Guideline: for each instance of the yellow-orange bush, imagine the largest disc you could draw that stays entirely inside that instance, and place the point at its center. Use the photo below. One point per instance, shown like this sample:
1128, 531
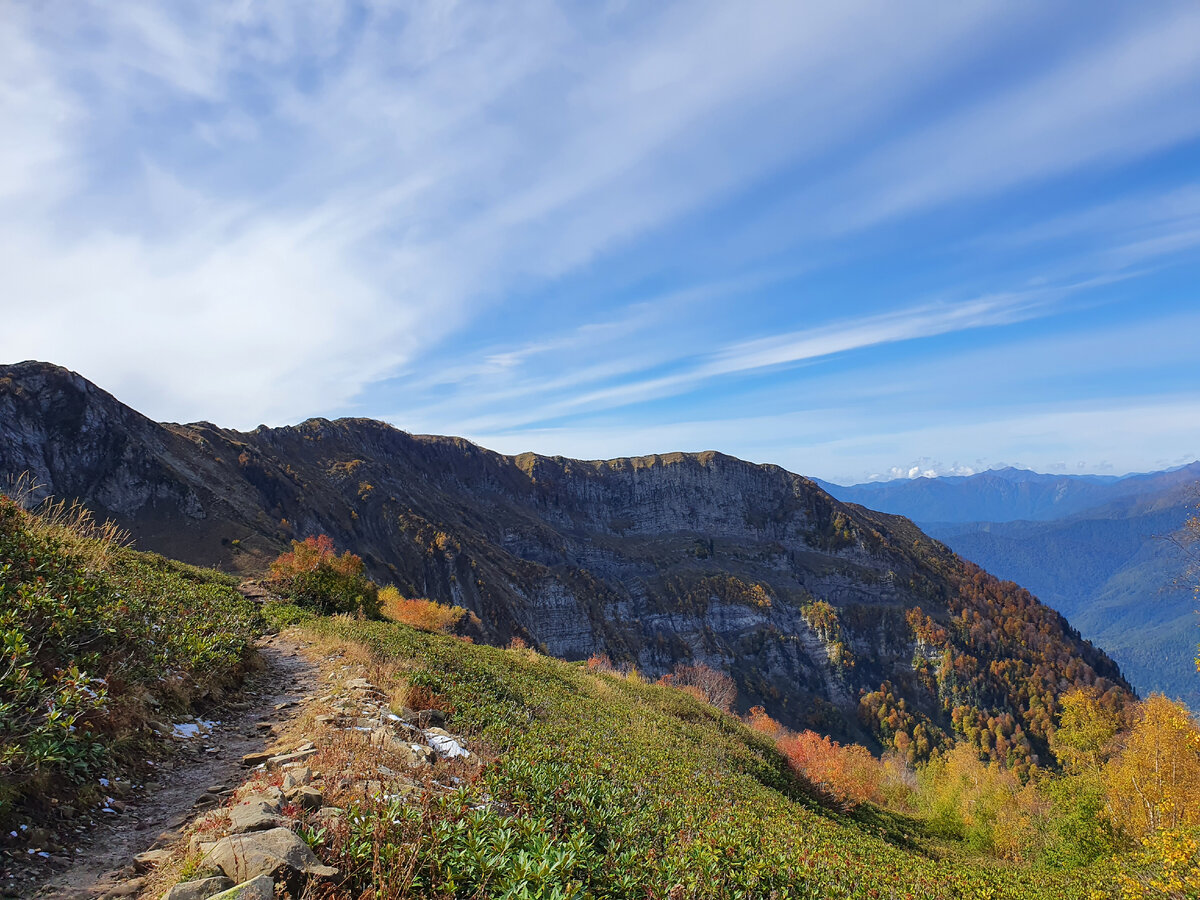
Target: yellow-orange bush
848, 773
425, 615
758, 719
1154, 781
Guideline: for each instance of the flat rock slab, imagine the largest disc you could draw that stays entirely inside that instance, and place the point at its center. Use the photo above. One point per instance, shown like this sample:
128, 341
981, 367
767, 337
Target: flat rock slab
278, 762
257, 815
276, 852
260, 888
199, 890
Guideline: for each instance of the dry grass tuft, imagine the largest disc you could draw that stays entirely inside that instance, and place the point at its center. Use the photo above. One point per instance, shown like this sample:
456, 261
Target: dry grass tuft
71, 524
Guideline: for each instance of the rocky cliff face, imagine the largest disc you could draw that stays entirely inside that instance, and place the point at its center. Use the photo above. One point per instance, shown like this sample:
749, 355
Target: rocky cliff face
831, 615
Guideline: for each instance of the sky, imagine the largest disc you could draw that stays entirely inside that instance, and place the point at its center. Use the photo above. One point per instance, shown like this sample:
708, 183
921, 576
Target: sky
859, 240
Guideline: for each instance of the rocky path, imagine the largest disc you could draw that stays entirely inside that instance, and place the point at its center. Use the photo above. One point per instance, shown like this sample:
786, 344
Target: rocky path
99, 863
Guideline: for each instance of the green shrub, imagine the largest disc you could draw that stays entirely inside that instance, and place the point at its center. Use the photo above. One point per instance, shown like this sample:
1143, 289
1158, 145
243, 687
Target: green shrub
314, 576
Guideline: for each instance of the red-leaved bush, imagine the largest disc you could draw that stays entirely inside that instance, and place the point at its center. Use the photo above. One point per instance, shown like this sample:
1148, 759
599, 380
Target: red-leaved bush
847, 773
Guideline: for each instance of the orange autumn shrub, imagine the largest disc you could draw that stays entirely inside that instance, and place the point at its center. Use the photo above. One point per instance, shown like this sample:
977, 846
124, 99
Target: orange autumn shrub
758, 719
600, 662
424, 615
848, 773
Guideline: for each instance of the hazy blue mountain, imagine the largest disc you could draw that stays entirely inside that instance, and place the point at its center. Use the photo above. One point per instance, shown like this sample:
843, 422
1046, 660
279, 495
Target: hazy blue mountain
1006, 495
1096, 549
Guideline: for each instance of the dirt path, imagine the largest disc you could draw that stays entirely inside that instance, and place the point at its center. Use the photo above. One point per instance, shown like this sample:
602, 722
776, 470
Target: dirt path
99, 862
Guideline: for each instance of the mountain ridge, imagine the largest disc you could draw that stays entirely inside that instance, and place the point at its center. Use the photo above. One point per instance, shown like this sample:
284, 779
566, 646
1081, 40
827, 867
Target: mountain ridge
831, 615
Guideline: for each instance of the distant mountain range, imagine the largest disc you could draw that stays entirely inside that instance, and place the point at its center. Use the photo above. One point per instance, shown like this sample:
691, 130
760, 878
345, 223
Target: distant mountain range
830, 615
1093, 547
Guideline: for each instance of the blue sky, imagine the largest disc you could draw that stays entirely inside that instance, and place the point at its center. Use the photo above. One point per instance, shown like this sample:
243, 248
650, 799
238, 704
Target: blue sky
857, 240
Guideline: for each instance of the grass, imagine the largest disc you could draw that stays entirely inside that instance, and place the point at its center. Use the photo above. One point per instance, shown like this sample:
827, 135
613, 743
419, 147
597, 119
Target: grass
95, 638
602, 786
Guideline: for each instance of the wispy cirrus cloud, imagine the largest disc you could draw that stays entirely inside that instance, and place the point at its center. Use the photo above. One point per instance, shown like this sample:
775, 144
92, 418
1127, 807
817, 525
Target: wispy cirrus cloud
497, 219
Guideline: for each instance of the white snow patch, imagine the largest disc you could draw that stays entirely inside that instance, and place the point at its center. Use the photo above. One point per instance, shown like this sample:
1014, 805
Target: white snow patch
446, 746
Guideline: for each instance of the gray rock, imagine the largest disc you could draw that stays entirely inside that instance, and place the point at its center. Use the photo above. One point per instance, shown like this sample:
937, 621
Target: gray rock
199, 890
308, 798
256, 815
278, 762
297, 777
260, 888
256, 759
278, 853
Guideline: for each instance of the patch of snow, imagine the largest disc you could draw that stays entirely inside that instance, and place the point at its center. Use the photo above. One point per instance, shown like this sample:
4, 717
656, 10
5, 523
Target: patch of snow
446, 746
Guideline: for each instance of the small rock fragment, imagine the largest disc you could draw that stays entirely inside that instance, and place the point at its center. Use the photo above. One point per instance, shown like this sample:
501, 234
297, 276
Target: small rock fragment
199, 890
151, 859
260, 888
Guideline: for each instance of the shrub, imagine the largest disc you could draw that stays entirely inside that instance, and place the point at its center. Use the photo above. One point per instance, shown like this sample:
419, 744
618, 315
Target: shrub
601, 662
705, 683
313, 575
849, 774
758, 719
425, 615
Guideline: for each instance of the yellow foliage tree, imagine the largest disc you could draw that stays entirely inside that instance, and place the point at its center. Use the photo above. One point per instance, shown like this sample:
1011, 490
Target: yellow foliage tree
1087, 730
1154, 781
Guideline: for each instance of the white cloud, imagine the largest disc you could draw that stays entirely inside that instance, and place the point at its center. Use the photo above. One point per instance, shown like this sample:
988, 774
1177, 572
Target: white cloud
210, 182
252, 212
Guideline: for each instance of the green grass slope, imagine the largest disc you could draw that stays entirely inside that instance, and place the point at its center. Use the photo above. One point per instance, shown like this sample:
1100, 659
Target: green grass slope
607, 787
94, 638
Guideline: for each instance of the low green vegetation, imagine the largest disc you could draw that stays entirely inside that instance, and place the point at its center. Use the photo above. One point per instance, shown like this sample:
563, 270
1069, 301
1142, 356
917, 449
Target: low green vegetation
93, 636
608, 787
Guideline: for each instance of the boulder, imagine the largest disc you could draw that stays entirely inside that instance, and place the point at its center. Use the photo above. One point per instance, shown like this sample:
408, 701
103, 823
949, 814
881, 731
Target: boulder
277, 853
199, 890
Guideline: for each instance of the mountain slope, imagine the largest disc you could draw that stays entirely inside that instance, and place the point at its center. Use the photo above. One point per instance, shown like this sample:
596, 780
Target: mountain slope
1107, 566
831, 615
